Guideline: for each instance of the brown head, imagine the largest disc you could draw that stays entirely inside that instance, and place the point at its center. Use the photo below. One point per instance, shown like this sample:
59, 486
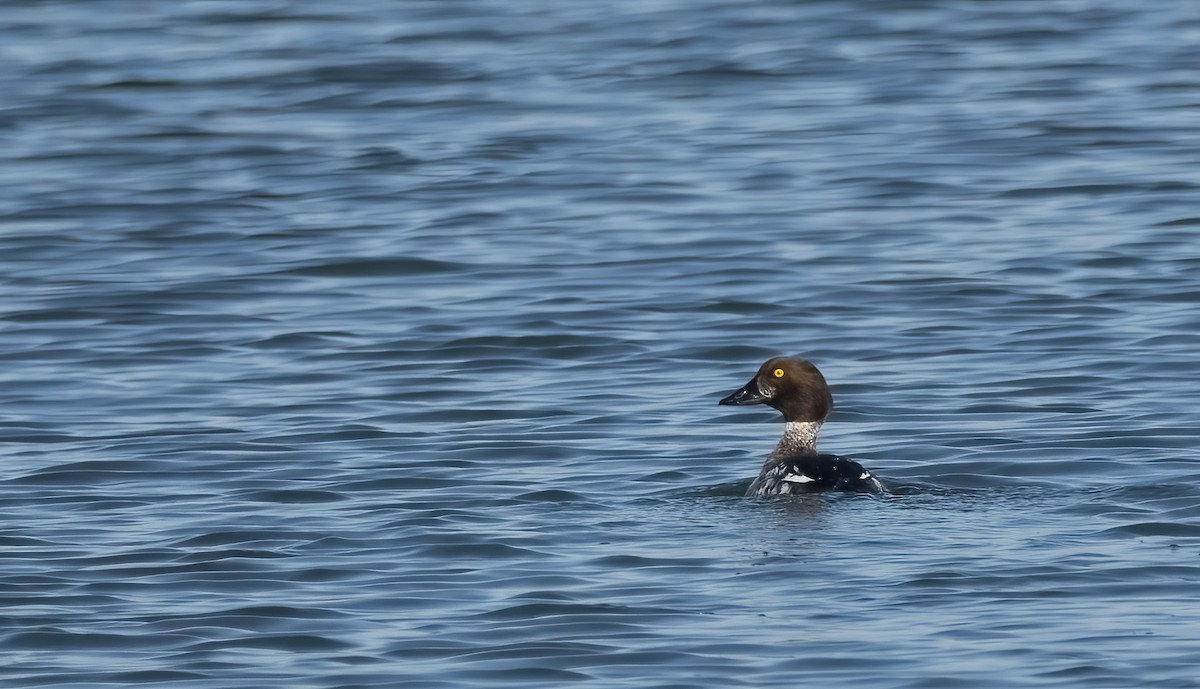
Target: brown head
793, 386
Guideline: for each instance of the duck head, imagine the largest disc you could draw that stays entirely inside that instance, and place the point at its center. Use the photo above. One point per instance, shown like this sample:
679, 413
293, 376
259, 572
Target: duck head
793, 386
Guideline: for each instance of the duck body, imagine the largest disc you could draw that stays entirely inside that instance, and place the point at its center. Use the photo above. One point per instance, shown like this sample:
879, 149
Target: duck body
797, 389
813, 474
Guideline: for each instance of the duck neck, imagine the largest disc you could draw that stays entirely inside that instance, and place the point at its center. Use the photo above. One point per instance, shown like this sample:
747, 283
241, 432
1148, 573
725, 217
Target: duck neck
799, 438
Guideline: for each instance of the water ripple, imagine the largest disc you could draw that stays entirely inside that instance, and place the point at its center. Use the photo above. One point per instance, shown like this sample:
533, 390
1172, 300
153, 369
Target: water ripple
379, 344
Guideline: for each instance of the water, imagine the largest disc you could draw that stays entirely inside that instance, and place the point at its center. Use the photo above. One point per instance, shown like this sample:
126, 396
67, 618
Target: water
379, 344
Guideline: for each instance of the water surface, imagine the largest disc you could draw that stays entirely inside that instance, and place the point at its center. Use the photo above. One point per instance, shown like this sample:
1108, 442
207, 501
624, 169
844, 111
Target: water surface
379, 344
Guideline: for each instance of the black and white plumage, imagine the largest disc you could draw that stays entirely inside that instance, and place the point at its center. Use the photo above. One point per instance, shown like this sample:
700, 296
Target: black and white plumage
813, 474
798, 390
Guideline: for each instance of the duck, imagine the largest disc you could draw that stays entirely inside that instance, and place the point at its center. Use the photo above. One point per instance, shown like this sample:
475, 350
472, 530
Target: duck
795, 388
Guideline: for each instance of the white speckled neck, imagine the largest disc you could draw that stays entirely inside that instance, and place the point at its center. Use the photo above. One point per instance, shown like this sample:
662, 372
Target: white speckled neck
799, 438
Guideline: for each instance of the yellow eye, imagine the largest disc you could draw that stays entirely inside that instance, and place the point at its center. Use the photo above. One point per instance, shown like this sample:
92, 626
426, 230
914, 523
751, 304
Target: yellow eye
779, 373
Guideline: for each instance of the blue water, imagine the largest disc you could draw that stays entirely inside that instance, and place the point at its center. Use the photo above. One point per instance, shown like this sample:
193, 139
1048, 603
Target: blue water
378, 344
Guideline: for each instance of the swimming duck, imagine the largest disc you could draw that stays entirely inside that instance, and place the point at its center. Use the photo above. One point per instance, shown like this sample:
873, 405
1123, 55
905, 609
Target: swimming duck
796, 388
